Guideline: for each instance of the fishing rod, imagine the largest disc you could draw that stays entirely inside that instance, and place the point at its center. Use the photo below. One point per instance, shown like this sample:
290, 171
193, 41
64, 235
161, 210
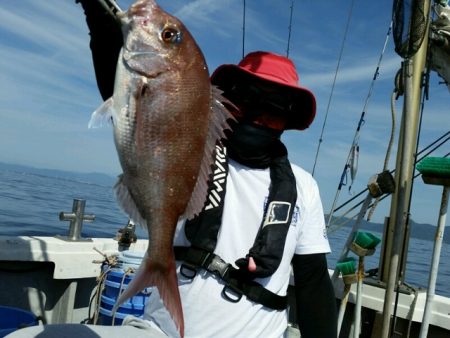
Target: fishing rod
340, 225
354, 149
445, 136
349, 219
436, 144
290, 29
332, 87
111, 6
243, 27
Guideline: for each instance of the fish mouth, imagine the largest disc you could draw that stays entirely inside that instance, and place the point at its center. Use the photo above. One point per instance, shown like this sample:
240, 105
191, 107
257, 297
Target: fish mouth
135, 61
130, 54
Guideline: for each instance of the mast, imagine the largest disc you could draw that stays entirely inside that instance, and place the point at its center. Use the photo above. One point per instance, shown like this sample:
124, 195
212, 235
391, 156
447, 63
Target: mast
412, 69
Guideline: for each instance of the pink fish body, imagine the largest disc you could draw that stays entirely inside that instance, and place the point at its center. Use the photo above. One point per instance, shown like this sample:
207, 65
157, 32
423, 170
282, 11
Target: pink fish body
166, 122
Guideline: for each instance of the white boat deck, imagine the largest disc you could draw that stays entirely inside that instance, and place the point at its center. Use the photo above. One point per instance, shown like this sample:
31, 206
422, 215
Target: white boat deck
77, 262
73, 260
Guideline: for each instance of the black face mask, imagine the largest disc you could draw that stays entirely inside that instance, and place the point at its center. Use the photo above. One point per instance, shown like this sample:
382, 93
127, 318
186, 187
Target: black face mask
254, 146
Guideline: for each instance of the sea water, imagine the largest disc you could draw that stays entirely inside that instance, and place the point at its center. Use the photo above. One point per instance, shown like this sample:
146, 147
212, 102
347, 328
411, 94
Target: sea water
30, 205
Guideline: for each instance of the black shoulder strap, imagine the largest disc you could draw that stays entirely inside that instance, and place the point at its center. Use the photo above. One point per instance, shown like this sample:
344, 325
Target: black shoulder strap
202, 230
268, 247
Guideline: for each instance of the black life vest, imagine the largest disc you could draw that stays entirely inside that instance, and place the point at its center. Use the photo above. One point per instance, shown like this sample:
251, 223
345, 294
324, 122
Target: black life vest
268, 247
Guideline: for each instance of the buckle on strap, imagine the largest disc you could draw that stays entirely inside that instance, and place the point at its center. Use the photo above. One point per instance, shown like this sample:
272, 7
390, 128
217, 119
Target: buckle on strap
217, 266
193, 258
188, 271
231, 293
235, 287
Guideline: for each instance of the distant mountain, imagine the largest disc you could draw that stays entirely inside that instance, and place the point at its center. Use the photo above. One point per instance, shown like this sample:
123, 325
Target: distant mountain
418, 230
427, 232
94, 178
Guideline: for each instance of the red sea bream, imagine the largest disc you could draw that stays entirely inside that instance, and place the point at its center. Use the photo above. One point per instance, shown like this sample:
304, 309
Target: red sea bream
166, 122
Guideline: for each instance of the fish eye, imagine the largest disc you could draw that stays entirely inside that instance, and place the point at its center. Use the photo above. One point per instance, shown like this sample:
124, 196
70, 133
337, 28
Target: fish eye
171, 35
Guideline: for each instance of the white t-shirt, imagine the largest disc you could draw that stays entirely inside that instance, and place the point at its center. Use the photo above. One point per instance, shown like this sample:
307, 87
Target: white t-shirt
206, 312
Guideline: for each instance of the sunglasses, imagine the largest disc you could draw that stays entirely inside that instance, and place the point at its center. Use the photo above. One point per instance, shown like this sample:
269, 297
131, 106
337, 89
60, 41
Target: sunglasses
259, 96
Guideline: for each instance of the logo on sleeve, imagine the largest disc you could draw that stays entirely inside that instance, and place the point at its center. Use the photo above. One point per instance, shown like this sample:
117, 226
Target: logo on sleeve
325, 233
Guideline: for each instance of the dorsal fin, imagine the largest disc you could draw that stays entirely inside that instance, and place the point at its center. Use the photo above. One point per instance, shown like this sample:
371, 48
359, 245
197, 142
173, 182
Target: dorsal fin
218, 123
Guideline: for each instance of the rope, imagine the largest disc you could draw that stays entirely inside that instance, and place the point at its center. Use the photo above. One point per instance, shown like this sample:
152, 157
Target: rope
127, 272
332, 87
109, 262
99, 291
388, 152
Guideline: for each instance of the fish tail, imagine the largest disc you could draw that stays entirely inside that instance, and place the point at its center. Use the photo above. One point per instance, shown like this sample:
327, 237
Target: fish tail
163, 277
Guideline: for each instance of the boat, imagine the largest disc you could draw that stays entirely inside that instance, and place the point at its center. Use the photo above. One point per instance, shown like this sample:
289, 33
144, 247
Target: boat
59, 278
388, 307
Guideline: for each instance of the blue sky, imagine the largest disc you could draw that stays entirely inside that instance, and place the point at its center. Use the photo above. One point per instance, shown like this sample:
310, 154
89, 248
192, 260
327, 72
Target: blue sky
48, 89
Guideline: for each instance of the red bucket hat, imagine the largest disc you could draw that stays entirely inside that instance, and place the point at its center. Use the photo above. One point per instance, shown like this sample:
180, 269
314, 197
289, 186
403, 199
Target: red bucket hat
277, 71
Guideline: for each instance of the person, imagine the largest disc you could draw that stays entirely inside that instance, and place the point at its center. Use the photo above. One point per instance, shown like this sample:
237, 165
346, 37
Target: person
262, 217
271, 215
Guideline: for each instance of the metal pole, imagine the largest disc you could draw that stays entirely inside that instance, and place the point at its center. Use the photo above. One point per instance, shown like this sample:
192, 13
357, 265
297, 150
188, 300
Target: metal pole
413, 77
343, 306
402, 187
357, 320
76, 218
435, 264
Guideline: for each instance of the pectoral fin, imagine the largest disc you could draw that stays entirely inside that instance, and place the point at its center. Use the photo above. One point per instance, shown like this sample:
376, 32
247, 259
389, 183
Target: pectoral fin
102, 115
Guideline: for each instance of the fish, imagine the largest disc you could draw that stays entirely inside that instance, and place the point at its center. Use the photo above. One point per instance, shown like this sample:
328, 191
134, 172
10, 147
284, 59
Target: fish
166, 119
353, 164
